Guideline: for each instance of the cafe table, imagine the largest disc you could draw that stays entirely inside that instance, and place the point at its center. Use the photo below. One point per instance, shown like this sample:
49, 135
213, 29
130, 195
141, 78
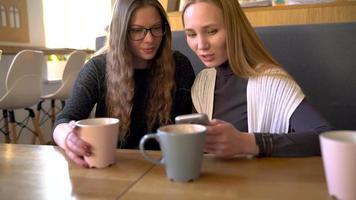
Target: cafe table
42, 172
242, 178
36, 172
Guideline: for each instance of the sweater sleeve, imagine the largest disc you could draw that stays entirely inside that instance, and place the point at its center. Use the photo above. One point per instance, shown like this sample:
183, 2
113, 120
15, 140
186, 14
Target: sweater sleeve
87, 91
303, 140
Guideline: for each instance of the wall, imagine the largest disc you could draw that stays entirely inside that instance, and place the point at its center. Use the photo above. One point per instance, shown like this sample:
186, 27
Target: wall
320, 13
36, 28
37, 38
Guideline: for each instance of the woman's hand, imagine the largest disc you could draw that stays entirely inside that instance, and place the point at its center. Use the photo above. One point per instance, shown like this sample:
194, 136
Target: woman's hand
66, 137
225, 141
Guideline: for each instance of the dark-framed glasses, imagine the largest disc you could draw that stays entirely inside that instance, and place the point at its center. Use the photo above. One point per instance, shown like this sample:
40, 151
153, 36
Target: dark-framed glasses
140, 33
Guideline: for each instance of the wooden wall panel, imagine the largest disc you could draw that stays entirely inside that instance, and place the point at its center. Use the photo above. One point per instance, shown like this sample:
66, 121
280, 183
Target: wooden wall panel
170, 5
339, 11
14, 34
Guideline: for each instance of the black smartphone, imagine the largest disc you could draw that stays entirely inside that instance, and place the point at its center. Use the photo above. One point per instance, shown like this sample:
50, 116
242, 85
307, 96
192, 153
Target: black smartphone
196, 118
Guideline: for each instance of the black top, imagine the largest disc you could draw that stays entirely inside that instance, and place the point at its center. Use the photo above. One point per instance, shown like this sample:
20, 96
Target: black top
90, 89
230, 104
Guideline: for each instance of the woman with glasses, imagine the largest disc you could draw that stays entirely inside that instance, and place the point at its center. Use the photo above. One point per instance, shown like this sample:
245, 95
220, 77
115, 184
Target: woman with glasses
137, 79
261, 109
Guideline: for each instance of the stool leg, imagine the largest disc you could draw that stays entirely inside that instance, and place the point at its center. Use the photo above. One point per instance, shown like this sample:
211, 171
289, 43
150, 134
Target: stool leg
53, 112
36, 126
39, 108
63, 104
6, 126
12, 123
38, 131
31, 114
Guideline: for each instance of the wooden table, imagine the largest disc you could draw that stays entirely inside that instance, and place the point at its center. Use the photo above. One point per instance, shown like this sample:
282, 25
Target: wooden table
242, 178
41, 172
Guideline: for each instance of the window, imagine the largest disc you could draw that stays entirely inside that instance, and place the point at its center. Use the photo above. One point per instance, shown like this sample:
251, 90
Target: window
3, 21
17, 18
75, 24
14, 17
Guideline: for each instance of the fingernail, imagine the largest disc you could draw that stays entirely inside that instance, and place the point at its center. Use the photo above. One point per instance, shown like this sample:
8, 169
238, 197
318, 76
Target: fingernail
71, 124
86, 148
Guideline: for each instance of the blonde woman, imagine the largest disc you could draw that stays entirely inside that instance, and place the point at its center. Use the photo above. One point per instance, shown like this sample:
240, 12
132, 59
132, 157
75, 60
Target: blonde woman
256, 107
137, 79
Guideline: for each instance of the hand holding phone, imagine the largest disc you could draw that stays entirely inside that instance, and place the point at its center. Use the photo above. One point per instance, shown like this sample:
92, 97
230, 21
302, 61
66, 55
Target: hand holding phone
196, 118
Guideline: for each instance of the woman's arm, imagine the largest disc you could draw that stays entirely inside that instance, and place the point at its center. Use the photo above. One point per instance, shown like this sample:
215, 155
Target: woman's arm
87, 91
303, 140
224, 140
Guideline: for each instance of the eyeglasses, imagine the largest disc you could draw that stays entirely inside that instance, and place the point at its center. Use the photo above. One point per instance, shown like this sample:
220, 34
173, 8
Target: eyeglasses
140, 33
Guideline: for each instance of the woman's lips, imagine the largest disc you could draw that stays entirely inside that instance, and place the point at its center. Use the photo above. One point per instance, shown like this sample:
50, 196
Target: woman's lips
148, 50
207, 57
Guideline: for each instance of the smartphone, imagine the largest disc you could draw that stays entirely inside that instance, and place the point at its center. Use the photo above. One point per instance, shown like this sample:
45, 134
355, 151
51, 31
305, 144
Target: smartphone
196, 118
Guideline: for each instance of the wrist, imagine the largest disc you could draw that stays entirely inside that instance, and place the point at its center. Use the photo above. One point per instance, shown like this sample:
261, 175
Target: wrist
251, 147
60, 135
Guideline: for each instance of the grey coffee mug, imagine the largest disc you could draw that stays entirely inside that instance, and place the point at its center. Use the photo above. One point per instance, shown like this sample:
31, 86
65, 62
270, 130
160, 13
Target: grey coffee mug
182, 149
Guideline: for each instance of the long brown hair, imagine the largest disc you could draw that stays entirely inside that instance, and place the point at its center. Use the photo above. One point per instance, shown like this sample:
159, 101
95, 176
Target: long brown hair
246, 53
120, 70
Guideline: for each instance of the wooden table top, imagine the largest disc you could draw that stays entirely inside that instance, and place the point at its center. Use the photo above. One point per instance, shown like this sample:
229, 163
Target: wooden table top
42, 172
240, 178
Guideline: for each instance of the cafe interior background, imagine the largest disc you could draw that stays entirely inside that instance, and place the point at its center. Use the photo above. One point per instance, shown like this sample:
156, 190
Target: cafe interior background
67, 25
37, 24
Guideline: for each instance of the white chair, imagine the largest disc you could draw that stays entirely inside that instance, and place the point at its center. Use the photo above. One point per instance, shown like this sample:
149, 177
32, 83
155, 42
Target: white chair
73, 65
23, 89
5, 119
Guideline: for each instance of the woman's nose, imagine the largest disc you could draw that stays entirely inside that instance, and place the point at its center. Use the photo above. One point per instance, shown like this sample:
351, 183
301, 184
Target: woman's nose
148, 37
202, 43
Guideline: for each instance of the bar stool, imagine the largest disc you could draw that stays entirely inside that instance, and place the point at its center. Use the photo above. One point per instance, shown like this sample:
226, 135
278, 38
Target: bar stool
72, 67
5, 128
23, 89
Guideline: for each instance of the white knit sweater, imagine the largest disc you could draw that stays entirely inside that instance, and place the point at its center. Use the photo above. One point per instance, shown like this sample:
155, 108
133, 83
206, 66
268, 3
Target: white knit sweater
271, 99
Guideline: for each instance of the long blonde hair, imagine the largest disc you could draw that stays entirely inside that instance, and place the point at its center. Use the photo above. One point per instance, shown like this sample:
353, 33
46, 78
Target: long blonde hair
245, 51
120, 70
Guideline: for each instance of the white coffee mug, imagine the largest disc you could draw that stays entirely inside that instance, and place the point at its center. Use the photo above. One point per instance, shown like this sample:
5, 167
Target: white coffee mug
182, 148
102, 134
338, 150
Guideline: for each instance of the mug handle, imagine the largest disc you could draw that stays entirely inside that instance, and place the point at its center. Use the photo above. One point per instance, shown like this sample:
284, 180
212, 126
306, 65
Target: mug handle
143, 151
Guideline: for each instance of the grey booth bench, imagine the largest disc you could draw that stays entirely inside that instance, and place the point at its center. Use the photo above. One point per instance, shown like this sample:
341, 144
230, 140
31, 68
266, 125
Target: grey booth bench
321, 58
